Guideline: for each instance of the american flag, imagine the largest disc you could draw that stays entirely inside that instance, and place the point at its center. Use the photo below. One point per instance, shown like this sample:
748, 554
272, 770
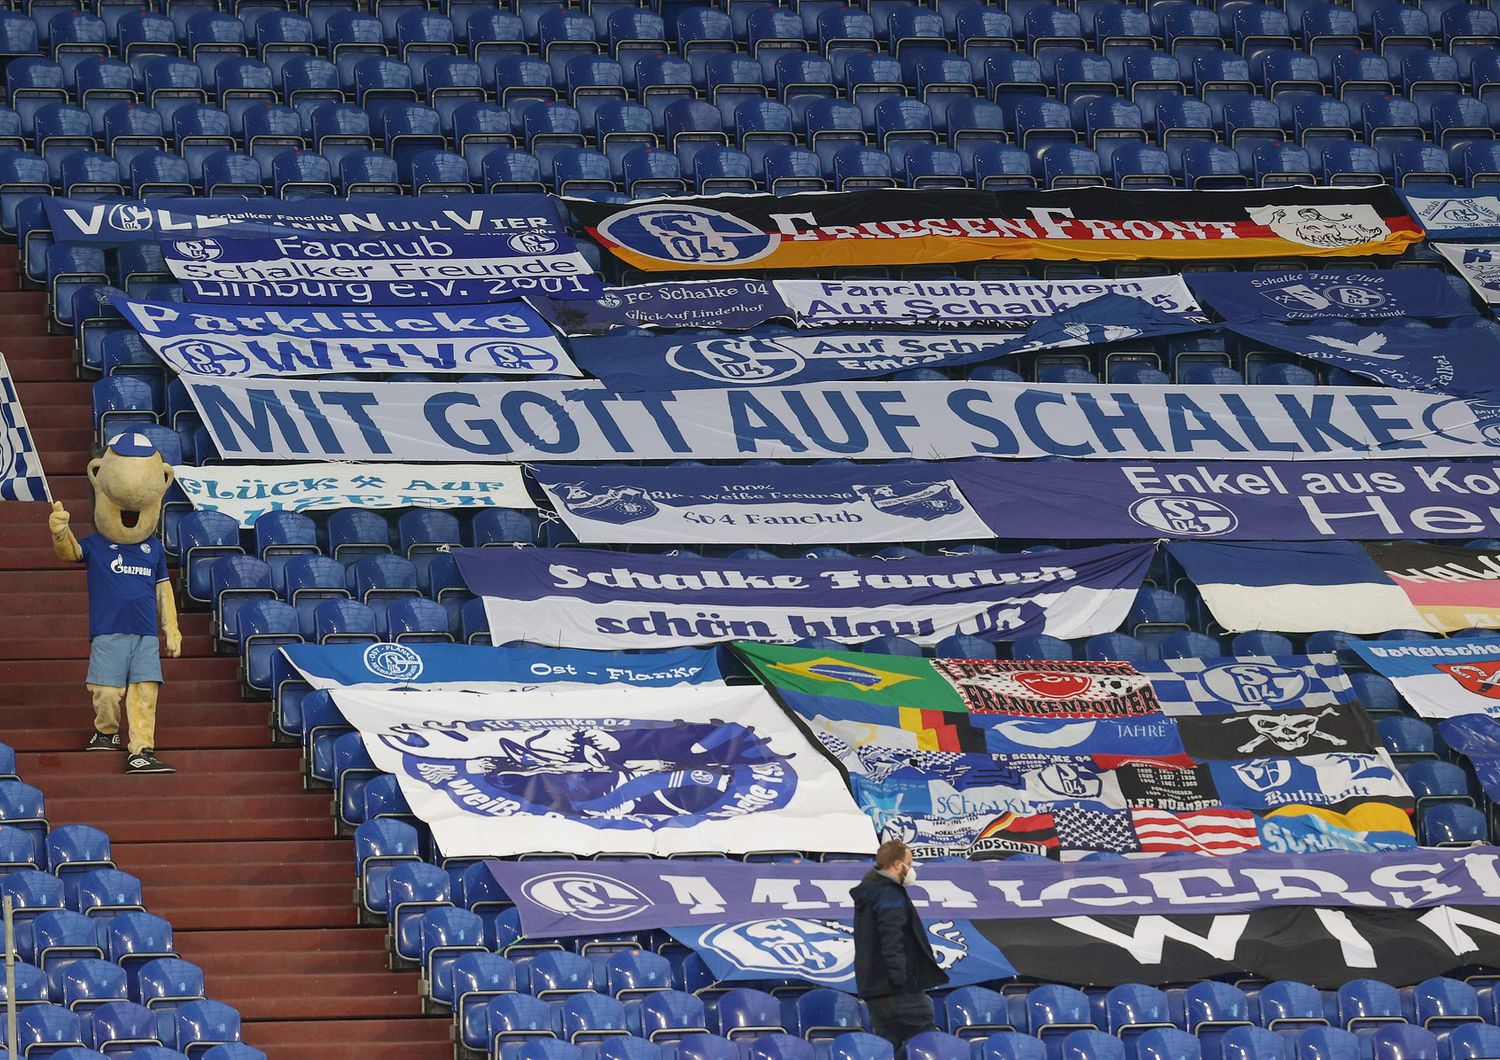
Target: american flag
1201, 831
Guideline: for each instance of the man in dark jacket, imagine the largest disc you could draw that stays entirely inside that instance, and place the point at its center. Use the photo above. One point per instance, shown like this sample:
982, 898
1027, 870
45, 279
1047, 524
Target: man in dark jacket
893, 961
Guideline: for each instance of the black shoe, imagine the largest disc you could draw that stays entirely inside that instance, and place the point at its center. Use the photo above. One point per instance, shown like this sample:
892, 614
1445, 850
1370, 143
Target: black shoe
147, 762
104, 742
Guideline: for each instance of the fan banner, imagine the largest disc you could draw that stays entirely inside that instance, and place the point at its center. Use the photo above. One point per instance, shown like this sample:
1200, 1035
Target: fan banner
582, 598
247, 493
729, 233
730, 304
481, 668
1477, 738
1453, 213
965, 303
791, 505
1446, 678
1333, 295
506, 339
21, 475
1452, 587
358, 419
606, 769
85, 221
1478, 264
562, 899
1284, 501
304, 270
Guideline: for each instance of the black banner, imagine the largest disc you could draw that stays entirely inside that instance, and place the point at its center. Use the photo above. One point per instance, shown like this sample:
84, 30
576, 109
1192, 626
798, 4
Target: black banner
900, 227
1344, 728
1450, 586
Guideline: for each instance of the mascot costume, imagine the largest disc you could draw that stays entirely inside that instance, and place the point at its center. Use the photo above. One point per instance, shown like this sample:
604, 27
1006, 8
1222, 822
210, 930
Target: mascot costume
128, 594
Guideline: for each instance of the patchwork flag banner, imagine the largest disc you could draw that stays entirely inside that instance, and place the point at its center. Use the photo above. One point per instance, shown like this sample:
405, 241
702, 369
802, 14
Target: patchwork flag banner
21, 475
1332, 295
1302, 501
1440, 678
478, 667
1454, 213
790, 505
506, 339
1295, 588
247, 493
583, 598
1451, 587
1478, 264
1460, 359
421, 269
607, 768
726, 233
965, 303
731, 304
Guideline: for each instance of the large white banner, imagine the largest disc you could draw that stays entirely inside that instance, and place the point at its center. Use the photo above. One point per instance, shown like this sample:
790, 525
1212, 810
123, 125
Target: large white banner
608, 769
280, 419
1478, 264
967, 303
247, 493
507, 339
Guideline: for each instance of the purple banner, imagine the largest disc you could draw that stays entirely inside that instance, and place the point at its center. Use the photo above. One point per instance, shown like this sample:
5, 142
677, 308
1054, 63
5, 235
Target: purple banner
563, 898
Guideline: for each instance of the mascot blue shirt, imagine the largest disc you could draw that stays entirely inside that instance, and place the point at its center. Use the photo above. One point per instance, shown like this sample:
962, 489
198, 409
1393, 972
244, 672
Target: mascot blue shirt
122, 585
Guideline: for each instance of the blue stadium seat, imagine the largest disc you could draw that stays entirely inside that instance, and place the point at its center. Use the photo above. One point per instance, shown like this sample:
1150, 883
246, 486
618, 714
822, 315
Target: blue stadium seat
1473, 1041
90, 982
47, 1029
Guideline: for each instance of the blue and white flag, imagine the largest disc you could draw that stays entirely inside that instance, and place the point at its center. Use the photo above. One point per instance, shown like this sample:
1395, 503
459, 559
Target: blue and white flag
480, 668
630, 364
581, 598
1243, 684
1317, 295
413, 270
1108, 318
21, 475
1295, 588
375, 216
506, 339
1455, 213
1462, 360
607, 768
729, 304
1447, 678
821, 952
1478, 264
1477, 738
791, 505
1337, 781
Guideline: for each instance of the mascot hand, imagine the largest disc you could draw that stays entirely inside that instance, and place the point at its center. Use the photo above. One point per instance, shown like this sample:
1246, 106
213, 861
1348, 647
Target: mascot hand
174, 643
57, 522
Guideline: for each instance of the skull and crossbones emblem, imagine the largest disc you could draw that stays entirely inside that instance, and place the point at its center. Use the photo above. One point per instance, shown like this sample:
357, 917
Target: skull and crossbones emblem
1289, 732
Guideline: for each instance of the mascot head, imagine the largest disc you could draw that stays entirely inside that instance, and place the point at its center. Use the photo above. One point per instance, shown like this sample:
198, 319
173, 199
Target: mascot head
130, 480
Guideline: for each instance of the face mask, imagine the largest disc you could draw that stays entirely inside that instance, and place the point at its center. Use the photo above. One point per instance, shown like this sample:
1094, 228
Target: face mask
911, 875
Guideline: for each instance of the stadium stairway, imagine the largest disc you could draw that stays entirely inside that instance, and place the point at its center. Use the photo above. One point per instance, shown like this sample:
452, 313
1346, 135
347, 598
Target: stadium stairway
231, 850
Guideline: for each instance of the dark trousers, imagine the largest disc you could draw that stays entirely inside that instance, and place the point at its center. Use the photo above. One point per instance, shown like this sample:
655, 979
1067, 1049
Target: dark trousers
901, 1016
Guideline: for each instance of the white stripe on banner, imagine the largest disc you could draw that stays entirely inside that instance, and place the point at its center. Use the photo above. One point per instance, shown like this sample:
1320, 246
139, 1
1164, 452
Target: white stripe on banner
279, 419
1478, 264
616, 769
21, 476
249, 492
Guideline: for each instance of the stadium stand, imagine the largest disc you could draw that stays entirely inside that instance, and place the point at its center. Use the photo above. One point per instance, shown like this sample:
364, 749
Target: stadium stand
251, 933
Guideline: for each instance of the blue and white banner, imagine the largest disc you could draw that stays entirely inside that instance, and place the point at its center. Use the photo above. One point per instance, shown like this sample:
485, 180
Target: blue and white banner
821, 952
580, 598
247, 493
507, 339
1296, 588
285, 419
1455, 213
86, 221
729, 304
607, 769
1317, 295
1462, 360
794, 505
1477, 738
1445, 678
21, 475
420, 269
1310, 501
481, 668
1335, 781
1244, 684
965, 303
1478, 264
